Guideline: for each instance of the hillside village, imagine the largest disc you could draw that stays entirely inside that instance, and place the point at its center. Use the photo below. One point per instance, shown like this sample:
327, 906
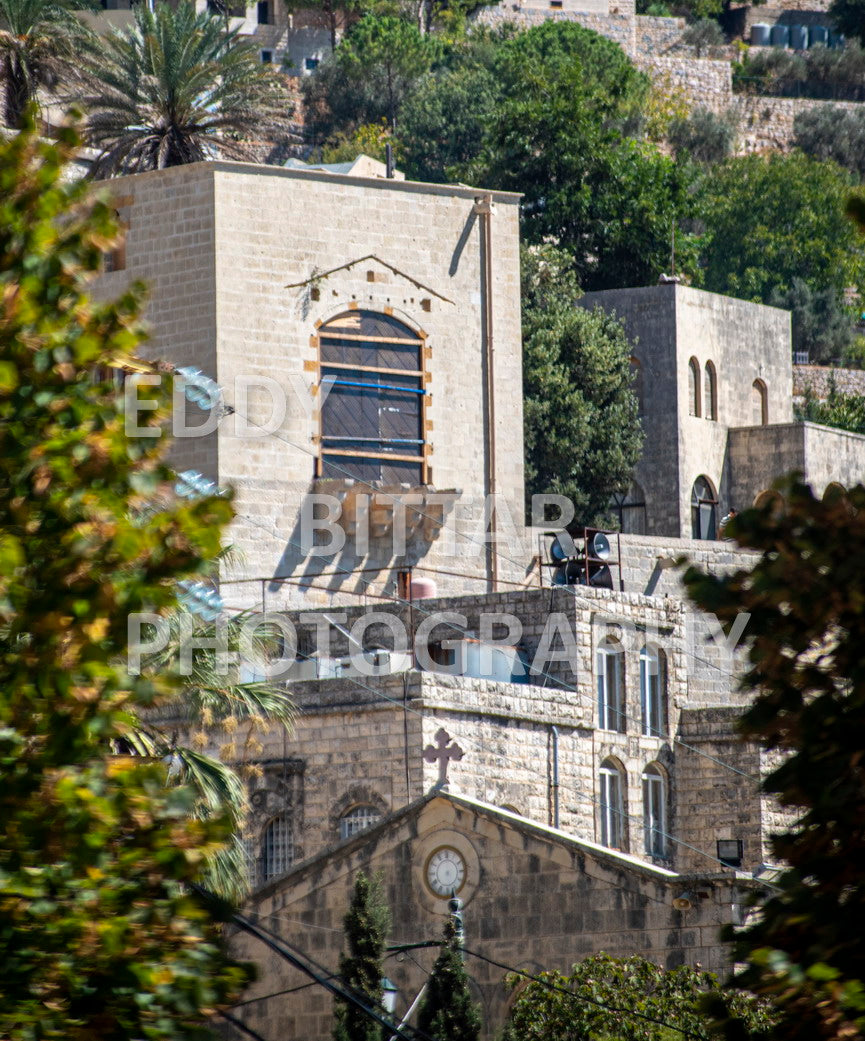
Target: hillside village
488, 322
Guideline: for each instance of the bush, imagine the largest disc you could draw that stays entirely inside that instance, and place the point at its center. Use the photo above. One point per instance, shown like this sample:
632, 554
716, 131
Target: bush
821, 324
831, 132
702, 35
703, 135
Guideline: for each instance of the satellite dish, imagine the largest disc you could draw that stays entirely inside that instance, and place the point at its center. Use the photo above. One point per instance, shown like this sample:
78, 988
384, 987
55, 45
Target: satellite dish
563, 547
601, 549
601, 578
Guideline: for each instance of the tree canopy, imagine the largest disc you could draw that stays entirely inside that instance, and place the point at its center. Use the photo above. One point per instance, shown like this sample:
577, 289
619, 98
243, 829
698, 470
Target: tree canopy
367, 922
582, 432
447, 1010
177, 87
772, 219
560, 135
40, 46
806, 677
595, 999
100, 935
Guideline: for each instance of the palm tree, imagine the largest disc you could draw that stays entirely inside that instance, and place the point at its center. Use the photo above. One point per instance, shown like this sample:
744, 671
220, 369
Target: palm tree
177, 87
40, 46
216, 710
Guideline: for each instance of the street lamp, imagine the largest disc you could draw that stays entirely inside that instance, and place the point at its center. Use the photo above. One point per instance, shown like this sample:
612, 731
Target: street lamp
389, 993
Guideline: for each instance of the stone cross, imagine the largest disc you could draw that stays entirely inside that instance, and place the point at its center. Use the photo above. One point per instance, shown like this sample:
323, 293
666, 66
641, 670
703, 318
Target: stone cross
443, 752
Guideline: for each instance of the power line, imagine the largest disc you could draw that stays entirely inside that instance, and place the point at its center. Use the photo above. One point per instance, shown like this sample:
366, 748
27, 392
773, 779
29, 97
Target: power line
285, 950
562, 684
583, 997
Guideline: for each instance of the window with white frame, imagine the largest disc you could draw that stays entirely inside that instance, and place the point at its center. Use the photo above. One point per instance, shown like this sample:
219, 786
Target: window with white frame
653, 691
612, 805
277, 848
654, 811
359, 818
611, 686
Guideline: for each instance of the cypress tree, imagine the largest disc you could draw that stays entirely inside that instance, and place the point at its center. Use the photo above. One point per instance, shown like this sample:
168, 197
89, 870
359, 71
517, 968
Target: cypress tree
366, 926
448, 1012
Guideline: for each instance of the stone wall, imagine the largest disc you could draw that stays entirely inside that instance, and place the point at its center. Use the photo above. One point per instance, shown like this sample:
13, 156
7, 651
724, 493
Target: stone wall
819, 379
766, 123
704, 82
359, 739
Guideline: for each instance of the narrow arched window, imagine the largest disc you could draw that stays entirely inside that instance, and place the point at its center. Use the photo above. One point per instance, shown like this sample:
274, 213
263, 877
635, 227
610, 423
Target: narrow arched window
694, 387
372, 399
611, 804
359, 818
277, 852
704, 510
760, 400
611, 686
655, 811
710, 391
637, 385
653, 691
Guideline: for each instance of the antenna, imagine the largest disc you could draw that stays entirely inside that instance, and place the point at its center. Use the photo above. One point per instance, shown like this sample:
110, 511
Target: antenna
673, 247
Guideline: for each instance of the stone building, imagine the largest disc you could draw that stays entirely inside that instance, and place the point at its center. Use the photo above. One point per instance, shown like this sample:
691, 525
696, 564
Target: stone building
600, 767
534, 897
714, 378
365, 334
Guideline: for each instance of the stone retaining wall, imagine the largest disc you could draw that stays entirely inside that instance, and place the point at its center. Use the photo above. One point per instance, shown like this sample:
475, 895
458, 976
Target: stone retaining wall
819, 378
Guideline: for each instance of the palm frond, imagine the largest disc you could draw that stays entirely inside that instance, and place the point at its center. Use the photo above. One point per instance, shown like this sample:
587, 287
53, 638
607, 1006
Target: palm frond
176, 87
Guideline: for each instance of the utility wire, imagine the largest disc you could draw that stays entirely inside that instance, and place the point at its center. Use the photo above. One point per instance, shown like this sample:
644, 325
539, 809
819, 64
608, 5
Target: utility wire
582, 997
562, 684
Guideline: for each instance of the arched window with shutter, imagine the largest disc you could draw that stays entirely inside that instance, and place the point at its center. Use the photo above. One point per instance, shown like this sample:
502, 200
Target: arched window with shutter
694, 387
710, 391
373, 388
760, 398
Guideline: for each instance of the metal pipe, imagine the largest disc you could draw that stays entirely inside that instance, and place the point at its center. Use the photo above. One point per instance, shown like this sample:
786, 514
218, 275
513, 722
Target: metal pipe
484, 208
410, 1012
555, 784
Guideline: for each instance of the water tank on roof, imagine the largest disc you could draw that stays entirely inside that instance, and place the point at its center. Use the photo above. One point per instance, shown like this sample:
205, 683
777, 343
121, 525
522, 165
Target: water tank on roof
423, 588
819, 34
780, 35
760, 35
799, 37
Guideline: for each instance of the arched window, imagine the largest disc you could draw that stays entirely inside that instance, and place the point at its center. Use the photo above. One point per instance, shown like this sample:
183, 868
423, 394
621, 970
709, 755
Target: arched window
760, 402
631, 510
694, 387
653, 691
611, 804
655, 811
611, 686
704, 510
372, 408
359, 818
277, 848
637, 384
710, 392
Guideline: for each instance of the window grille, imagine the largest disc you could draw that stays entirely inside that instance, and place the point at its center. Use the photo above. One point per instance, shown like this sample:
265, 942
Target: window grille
277, 848
358, 819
